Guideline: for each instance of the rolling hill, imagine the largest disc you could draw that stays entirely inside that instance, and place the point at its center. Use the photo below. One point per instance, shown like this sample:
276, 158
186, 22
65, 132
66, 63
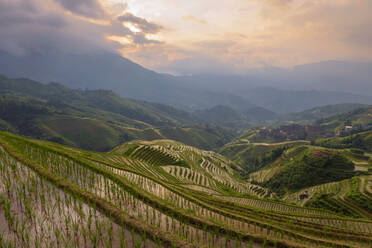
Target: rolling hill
96, 119
287, 101
324, 112
360, 119
223, 116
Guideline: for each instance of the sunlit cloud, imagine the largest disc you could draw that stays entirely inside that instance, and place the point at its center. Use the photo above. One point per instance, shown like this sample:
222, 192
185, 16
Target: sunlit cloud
138, 23
185, 36
132, 28
120, 39
254, 33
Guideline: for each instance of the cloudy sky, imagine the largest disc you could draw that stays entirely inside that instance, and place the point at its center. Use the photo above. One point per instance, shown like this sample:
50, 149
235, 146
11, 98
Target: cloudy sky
193, 36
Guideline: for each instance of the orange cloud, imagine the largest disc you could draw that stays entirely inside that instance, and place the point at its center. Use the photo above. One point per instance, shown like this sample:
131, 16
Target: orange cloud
181, 36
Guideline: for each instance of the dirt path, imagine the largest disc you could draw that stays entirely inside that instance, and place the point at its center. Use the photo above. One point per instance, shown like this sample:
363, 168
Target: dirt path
360, 168
362, 183
361, 162
247, 142
281, 143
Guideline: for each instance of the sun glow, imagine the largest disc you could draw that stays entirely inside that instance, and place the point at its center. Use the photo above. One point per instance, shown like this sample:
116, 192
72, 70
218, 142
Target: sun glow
132, 28
156, 37
252, 33
120, 39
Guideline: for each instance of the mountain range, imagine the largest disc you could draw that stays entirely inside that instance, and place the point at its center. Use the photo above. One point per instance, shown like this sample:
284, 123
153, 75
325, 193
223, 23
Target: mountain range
276, 90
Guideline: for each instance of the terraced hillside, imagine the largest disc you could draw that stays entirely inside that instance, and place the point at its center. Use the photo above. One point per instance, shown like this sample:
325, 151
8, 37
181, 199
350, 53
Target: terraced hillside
254, 156
151, 194
320, 178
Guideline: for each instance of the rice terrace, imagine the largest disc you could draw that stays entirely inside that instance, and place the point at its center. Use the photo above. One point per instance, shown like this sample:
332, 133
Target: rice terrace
185, 124
161, 194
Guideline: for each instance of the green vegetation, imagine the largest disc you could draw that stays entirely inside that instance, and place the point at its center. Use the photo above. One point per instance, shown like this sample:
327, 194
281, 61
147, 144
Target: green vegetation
157, 187
361, 141
360, 119
159, 193
332, 178
328, 201
255, 156
311, 167
96, 120
319, 113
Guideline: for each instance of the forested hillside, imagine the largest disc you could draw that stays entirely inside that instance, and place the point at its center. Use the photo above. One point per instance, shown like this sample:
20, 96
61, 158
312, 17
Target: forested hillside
96, 120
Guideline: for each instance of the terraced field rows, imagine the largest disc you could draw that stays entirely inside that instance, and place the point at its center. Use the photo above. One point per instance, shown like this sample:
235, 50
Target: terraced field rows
190, 176
201, 189
350, 197
37, 214
366, 186
222, 176
137, 165
348, 224
186, 164
183, 217
336, 188
207, 166
154, 155
108, 189
262, 175
183, 203
275, 206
